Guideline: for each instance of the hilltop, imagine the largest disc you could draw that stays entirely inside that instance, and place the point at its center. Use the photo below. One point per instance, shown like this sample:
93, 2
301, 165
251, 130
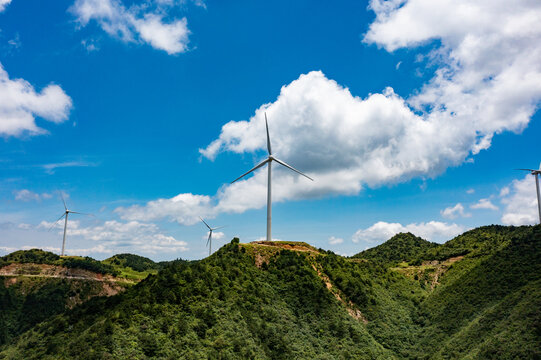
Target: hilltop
284, 300
401, 247
36, 285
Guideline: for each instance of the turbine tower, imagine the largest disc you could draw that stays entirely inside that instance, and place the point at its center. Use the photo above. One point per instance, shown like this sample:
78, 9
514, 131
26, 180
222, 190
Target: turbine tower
209, 241
269, 161
65, 216
536, 173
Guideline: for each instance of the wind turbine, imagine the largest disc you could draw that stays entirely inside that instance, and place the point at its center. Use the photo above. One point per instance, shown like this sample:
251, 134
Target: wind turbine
65, 216
536, 173
269, 161
209, 241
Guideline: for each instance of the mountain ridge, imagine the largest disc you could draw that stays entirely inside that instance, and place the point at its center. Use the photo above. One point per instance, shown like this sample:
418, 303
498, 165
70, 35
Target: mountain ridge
301, 304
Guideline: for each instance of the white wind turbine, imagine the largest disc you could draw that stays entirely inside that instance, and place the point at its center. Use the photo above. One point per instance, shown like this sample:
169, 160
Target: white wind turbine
65, 216
536, 173
209, 241
269, 161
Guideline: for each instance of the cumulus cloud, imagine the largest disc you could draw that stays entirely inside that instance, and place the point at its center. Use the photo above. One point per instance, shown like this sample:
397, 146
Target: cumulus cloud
489, 73
484, 204
521, 203
183, 208
115, 236
454, 211
432, 231
27, 195
4, 4
335, 241
487, 81
20, 104
137, 23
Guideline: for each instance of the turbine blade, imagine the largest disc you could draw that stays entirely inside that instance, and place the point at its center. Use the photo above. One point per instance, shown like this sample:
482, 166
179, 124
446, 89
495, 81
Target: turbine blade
526, 169
255, 168
56, 222
268, 136
210, 235
291, 168
64, 201
204, 222
219, 227
80, 213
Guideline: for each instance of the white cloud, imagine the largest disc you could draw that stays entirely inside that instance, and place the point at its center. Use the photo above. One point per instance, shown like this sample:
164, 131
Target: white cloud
20, 104
488, 80
470, 191
484, 204
432, 231
504, 191
521, 203
335, 241
114, 236
142, 23
489, 73
183, 208
27, 195
4, 4
216, 235
50, 168
454, 212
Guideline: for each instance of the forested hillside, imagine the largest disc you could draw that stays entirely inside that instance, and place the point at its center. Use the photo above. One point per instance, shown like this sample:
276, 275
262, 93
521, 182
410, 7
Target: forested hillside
292, 301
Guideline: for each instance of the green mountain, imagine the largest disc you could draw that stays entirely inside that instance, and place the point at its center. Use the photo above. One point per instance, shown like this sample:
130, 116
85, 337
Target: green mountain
36, 285
401, 247
291, 301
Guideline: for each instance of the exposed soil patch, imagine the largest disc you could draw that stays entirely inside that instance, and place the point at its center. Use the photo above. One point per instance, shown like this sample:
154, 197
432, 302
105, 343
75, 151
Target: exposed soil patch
350, 307
429, 271
288, 246
54, 271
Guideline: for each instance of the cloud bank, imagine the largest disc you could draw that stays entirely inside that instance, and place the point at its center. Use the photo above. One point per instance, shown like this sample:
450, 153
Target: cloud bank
115, 237
432, 231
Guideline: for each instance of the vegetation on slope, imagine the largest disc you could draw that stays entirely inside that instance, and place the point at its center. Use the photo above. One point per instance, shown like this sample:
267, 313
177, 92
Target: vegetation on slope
132, 267
221, 307
263, 301
401, 247
38, 256
27, 301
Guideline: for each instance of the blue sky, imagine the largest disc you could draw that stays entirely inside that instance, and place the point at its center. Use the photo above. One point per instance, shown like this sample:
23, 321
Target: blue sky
410, 116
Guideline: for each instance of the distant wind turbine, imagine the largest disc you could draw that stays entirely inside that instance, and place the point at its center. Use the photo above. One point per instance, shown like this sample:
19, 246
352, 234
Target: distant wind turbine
536, 173
209, 241
269, 161
65, 216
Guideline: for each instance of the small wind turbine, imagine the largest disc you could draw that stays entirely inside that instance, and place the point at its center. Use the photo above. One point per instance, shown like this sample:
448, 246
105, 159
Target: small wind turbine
209, 241
65, 216
536, 173
269, 161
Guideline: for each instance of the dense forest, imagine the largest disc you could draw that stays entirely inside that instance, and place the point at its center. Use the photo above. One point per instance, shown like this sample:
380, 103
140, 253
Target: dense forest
476, 296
